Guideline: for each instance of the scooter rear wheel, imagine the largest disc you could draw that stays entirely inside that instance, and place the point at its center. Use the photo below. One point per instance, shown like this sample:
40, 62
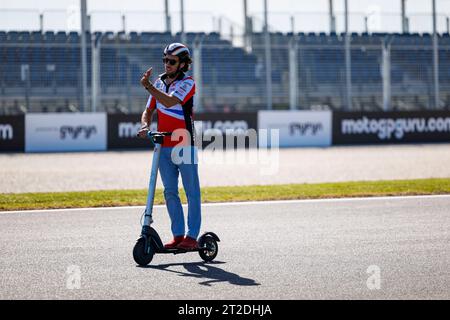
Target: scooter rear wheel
211, 246
141, 257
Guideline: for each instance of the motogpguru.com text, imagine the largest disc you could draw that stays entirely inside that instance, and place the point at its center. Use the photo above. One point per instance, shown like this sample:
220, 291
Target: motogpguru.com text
386, 128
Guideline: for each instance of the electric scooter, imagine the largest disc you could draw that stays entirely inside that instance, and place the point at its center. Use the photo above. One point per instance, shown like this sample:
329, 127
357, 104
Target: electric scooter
149, 242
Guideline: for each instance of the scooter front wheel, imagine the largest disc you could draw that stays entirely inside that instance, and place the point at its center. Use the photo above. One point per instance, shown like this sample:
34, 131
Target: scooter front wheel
211, 248
140, 255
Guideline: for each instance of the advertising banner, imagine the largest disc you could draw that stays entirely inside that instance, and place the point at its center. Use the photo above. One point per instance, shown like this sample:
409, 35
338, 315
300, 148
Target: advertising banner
55, 132
298, 128
12, 133
391, 127
122, 130
234, 129
209, 127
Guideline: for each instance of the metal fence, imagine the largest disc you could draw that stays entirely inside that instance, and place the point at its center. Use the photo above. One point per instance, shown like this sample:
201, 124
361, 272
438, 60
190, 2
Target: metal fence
41, 72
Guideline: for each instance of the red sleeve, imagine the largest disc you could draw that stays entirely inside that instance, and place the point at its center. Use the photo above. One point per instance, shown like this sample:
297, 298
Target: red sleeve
189, 95
151, 103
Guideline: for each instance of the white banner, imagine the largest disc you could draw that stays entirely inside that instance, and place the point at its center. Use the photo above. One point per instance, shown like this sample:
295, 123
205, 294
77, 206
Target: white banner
299, 128
46, 132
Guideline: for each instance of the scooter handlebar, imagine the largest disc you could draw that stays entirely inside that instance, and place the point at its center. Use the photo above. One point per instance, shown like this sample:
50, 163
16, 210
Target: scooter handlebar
164, 133
151, 134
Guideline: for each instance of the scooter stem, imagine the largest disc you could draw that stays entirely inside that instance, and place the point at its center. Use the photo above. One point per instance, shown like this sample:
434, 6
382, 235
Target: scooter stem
152, 186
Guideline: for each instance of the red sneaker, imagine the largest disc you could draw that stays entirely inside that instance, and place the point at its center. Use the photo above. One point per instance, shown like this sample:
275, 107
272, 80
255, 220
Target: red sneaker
175, 241
188, 244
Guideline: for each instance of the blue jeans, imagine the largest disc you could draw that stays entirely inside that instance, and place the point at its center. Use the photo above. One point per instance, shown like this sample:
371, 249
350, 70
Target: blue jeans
170, 168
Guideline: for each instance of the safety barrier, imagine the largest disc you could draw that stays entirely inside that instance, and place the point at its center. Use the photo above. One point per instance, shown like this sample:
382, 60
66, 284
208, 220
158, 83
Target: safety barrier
62, 132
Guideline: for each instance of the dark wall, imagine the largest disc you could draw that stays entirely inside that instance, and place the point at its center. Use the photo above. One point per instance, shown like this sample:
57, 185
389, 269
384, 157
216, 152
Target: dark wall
12, 133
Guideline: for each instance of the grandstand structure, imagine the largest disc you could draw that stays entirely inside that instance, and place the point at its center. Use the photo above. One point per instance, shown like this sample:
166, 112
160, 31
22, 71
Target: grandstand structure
41, 71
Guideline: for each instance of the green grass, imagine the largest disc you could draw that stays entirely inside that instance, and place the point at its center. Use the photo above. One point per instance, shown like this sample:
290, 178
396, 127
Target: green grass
108, 198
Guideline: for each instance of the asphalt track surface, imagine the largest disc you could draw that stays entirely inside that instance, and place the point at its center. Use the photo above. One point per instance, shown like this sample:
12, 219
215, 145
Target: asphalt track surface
83, 171
374, 248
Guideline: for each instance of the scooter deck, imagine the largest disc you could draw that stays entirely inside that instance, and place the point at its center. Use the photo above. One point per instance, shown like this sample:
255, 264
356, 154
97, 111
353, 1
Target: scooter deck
177, 251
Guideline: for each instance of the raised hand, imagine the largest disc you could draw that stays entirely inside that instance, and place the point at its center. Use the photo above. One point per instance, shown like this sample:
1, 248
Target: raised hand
146, 76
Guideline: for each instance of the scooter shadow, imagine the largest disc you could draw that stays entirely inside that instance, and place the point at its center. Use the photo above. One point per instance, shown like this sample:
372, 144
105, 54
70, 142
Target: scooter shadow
203, 270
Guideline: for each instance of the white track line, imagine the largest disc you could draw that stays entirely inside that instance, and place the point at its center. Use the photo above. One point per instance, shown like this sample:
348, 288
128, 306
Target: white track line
241, 203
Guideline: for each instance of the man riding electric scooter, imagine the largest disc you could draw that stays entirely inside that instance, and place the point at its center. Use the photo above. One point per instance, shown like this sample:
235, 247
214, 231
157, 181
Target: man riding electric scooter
172, 96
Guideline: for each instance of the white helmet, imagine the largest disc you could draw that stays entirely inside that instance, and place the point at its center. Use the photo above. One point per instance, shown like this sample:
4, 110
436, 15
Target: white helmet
177, 49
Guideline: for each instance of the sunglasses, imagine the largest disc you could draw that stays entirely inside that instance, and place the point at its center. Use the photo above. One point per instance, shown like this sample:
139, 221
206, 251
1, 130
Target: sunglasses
172, 62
